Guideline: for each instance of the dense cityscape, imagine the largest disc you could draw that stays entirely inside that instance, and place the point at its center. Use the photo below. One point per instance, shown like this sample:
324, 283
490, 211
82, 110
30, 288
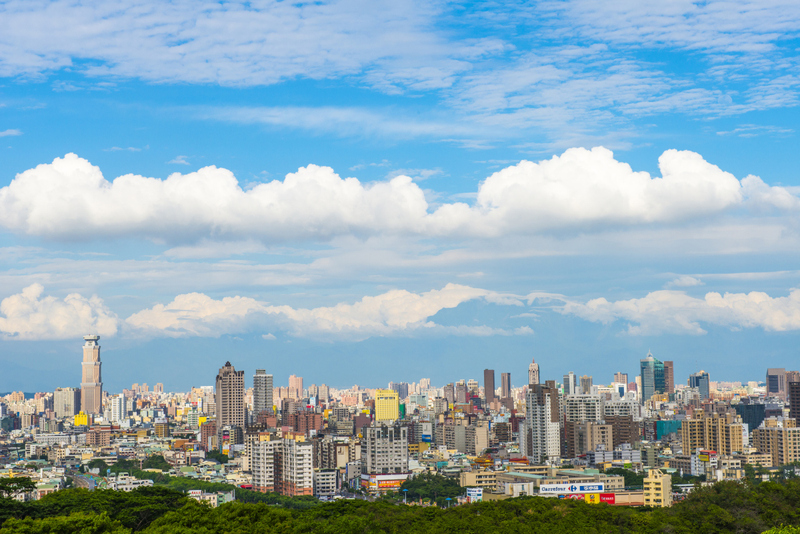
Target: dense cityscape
572, 438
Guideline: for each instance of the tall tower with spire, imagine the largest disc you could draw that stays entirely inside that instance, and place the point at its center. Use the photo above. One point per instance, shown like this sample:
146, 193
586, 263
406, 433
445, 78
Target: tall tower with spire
92, 383
533, 372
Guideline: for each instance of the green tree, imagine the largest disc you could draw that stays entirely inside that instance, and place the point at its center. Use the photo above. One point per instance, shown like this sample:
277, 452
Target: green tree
156, 461
11, 485
85, 523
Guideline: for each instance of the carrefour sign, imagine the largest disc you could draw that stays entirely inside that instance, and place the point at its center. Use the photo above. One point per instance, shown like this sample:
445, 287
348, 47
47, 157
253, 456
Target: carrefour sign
571, 488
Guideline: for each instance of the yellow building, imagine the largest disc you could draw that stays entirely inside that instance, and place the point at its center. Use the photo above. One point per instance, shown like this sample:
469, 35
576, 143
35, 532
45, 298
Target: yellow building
387, 405
724, 434
657, 489
81, 419
782, 444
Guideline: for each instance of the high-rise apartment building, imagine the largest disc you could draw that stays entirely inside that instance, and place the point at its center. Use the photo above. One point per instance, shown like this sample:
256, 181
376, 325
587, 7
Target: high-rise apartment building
324, 393
92, 383
781, 440
262, 392
66, 402
384, 450
669, 377
776, 383
230, 401
295, 387
701, 381
582, 408
621, 378
387, 405
505, 385
118, 408
488, 385
284, 466
721, 433
652, 374
540, 432
533, 372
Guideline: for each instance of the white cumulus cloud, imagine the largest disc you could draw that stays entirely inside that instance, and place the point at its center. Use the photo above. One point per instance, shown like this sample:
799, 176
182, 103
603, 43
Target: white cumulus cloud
581, 190
393, 312
675, 311
31, 316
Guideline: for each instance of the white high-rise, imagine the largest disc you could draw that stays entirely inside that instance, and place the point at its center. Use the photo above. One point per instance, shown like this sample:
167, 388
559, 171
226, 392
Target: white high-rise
119, 409
540, 433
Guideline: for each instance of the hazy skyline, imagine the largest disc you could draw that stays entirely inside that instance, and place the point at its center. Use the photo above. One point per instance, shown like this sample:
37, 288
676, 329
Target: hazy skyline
359, 192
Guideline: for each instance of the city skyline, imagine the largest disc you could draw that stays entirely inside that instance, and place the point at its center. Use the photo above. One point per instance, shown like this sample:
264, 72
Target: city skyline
575, 182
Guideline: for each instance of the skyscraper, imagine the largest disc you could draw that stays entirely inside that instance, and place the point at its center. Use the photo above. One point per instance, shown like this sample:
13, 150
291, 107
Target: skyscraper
262, 392
92, 383
488, 385
539, 433
533, 372
669, 377
505, 385
230, 402
652, 377
793, 394
621, 378
700, 381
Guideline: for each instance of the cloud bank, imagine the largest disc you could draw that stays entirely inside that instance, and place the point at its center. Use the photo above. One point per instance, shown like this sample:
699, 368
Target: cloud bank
391, 313
675, 311
581, 190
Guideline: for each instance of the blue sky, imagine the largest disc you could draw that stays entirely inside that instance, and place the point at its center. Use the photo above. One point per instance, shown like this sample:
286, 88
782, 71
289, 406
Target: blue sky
361, 192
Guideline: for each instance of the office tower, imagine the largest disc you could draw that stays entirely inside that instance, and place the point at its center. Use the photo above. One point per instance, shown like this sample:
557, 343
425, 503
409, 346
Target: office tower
586, 385
387, 406
540, 432
488, 385
384, 450
533, 372
161, 427
700, 381
262, 392
92, 383
505, 385
776, 383
66, 402
230, 402
669, 377
295, 387
793, 394
570, 384
118, 408
652, 373
621, 378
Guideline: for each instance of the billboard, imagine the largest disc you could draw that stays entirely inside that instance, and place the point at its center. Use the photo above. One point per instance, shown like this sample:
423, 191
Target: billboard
474, 494
592, 498
608, 498
551, 489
